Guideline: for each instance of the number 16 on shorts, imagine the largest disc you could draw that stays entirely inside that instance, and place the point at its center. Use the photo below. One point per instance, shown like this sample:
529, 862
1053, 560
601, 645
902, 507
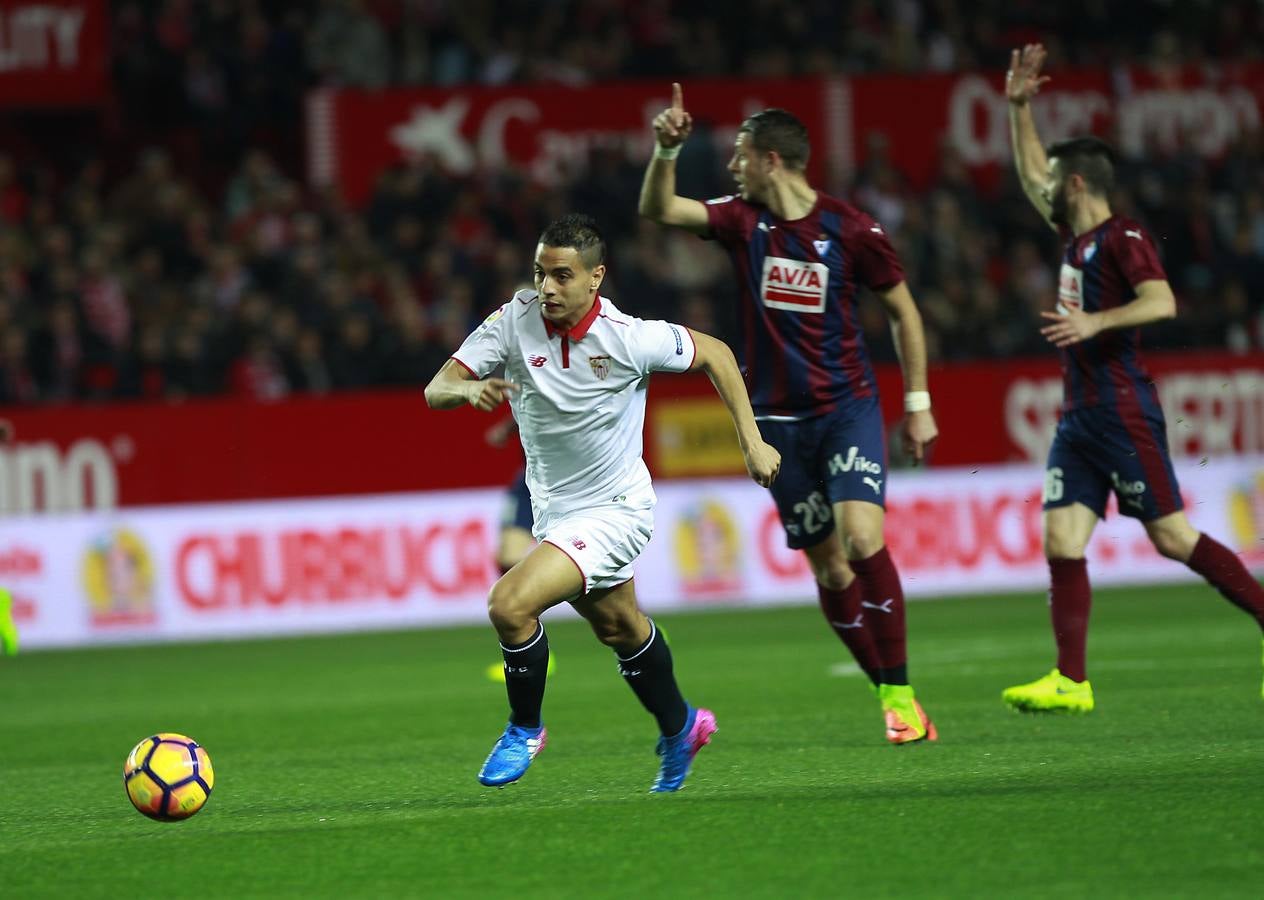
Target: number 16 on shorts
1053, 485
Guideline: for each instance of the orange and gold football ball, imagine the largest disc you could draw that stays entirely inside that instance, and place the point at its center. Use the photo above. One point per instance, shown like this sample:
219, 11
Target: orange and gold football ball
168, 777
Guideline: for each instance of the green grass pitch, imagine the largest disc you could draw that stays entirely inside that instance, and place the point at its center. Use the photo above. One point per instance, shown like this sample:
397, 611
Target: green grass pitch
345, 766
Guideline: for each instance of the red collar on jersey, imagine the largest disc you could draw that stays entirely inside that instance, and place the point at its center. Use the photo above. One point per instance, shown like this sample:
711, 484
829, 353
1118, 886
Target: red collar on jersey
577, 331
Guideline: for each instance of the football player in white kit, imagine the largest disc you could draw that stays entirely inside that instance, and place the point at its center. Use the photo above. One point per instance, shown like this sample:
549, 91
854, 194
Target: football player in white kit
576, 373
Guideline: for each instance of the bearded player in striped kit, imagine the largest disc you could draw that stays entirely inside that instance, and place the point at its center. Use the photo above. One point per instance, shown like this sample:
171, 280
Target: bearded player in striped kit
1112, 436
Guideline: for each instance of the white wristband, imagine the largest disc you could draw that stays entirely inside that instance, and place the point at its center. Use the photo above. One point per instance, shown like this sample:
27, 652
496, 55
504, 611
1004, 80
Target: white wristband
661, 152
917, 401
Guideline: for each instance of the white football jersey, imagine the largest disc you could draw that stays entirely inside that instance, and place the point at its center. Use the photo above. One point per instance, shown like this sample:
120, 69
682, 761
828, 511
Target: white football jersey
580, 403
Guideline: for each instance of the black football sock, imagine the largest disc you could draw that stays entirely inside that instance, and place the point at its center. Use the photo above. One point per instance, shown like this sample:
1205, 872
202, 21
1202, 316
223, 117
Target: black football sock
648, 671
894, 674
526, 667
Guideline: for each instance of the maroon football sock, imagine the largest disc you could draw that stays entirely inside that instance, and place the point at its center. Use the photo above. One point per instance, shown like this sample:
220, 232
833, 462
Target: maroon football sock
1224, 571
883, 605
843, 613
1070, 599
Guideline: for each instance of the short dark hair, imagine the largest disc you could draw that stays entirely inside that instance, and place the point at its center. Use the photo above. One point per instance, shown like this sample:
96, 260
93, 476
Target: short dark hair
782, 133
1089, 157
579, 232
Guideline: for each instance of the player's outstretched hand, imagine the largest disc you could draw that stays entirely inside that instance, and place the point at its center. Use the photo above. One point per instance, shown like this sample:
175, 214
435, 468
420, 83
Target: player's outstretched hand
763, 462
1023, 80
490, 393
673, 124
920, 432
1069, 327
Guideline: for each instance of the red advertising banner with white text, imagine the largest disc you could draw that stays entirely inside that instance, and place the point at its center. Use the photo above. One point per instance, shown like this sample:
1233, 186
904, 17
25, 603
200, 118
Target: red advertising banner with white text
228, 449
547, 132
544, 131
988, 412
224, 449
54, 53
1007, 411
1145, 112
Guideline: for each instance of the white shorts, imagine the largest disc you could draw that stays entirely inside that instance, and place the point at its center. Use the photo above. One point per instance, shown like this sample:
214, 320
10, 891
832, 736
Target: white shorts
602, 541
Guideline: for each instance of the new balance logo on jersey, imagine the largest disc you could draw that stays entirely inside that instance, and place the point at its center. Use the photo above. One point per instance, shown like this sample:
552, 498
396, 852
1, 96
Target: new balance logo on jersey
1132, 234
884, 606
794, 285
853, 463
577, 543
859, 623
875, 484
537, 361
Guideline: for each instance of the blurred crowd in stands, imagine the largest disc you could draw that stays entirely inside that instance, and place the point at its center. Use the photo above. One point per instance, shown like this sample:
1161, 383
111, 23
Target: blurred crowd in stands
165, 280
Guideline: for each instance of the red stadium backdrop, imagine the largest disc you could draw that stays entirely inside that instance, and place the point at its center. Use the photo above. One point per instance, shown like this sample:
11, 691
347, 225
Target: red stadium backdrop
384, 442
546, 131
1144, 112
53, 53
1003, 411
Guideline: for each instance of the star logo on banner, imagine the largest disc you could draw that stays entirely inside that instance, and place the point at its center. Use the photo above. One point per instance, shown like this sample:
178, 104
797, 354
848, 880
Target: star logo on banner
437, 131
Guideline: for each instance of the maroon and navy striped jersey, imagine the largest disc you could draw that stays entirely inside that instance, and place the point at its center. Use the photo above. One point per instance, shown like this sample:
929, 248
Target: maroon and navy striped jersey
1100, 270
800, 342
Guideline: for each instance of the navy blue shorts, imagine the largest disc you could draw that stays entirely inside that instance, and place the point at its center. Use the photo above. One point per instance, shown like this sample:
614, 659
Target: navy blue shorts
515, 509
1099, 450
838, 456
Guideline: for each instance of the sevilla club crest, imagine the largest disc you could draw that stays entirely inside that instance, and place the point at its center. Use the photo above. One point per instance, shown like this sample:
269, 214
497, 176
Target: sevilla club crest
600, 366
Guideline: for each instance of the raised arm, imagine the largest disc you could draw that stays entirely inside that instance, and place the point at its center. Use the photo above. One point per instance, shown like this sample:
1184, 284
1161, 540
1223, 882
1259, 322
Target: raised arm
716, 359
659, 201
1022, 82
919, 429
454, 385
